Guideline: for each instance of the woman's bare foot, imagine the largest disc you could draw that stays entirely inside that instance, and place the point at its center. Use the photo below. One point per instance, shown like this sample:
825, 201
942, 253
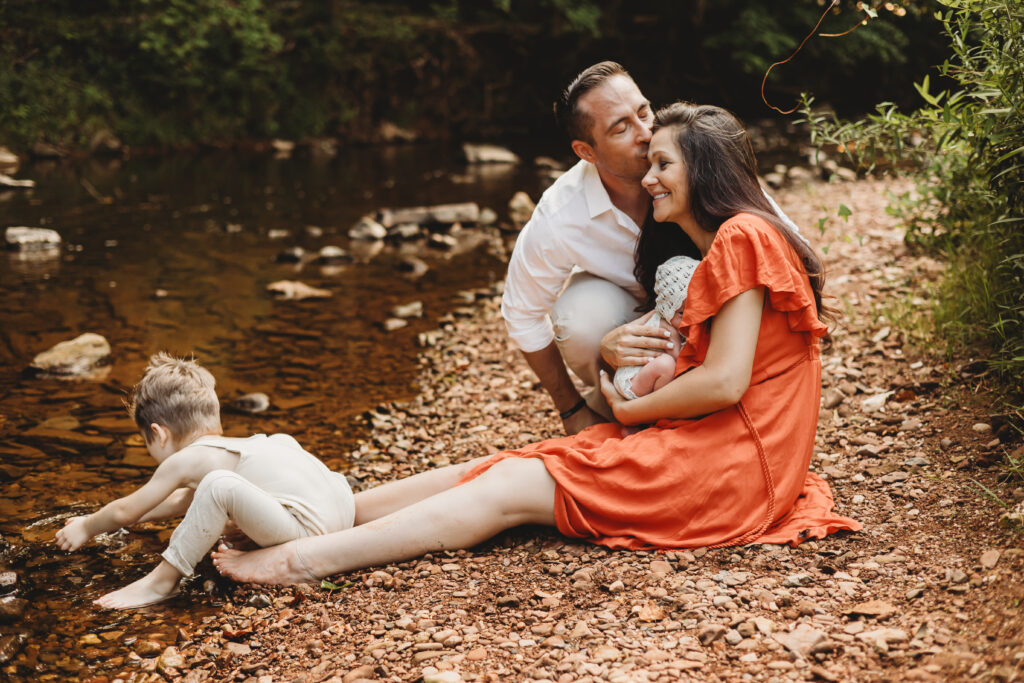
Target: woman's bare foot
158, 585
277, 565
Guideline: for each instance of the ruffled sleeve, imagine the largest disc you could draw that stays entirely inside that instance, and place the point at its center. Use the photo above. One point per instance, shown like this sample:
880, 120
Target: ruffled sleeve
748, 253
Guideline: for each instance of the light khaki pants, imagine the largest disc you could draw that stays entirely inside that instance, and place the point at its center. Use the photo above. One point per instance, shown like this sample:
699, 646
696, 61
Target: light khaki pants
588, 308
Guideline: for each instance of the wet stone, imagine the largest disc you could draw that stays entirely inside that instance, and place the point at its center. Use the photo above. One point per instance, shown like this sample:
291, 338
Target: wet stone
12, 608
77, 357
10, 645
8, 581
31, 239
255, 402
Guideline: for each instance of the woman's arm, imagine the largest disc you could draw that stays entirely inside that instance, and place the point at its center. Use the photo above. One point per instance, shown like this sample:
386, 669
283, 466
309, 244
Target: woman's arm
718, 383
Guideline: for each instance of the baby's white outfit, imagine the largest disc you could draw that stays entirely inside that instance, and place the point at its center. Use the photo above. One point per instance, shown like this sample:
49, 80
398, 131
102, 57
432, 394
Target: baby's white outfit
278, 492
671, 281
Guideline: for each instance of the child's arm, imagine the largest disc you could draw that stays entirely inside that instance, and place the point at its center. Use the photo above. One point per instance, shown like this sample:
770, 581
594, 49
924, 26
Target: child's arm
175, 505
169, 476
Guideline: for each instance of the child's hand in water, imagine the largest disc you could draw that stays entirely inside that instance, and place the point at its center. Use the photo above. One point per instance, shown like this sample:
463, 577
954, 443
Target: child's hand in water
74, 534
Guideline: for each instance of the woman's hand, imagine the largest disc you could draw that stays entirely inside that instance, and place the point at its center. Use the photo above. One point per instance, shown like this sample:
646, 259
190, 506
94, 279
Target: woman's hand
634, 343
614, 398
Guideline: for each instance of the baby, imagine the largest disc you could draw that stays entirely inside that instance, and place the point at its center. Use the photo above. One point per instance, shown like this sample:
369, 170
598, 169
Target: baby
670, 283
272, 489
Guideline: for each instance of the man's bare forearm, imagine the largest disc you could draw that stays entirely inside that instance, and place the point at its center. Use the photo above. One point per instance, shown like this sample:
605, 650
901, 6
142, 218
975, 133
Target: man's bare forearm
550, 370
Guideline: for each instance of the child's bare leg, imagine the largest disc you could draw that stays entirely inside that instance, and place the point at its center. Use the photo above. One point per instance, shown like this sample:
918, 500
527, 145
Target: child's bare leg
387, 498
159, 584
513, 492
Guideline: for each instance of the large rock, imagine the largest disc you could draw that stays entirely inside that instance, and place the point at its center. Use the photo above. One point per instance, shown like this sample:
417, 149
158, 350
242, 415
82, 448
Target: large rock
520, 208
488, 154
78, 357
105, 142
22, 238
9, 161
12, 608
8, 182
368, 229
464, 212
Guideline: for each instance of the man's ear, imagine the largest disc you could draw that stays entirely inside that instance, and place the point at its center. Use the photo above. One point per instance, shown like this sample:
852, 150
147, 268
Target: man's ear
584, 150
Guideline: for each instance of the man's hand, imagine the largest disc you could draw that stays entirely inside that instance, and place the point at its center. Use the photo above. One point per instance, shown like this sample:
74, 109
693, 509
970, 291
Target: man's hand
634, 343
74, 534
583, 418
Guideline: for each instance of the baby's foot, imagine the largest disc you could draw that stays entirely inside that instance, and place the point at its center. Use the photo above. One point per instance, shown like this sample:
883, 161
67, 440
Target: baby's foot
139, 594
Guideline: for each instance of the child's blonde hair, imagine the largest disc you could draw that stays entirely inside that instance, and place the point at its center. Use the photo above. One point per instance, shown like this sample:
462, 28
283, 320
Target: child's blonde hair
177, 393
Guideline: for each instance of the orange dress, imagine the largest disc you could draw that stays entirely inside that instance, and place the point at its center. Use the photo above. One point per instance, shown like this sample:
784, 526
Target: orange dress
738, 475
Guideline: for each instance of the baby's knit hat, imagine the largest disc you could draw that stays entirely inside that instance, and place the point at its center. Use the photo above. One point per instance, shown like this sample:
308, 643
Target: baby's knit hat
670, 283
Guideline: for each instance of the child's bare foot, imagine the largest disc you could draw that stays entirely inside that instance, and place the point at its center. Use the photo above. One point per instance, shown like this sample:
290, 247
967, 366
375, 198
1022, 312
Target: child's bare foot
158, 585
278, 565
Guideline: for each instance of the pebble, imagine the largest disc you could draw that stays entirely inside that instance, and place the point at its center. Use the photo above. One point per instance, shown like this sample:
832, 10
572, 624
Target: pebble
982, 428
801, 640
256, 402
709, 633
392, 324
733, 637
990, 558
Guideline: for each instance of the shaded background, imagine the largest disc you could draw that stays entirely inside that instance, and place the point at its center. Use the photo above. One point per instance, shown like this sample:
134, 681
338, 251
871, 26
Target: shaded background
177, 72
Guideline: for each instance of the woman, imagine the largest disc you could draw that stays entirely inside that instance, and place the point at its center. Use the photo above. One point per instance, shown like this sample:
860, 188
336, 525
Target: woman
726, 459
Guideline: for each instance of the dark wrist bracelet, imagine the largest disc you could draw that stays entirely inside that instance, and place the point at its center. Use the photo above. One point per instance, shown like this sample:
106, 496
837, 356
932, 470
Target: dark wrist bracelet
575, 409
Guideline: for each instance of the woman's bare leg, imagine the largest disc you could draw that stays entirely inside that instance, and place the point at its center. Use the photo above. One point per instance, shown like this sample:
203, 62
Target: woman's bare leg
387, 498
513, 492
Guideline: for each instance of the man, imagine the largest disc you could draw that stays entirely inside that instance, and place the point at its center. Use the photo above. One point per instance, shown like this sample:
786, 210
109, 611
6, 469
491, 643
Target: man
581, 237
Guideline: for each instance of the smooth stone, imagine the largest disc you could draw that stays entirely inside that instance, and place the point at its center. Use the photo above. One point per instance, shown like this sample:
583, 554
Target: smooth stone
73, 358
488, 154
294, 290
12, 608
447, 214
255, 402
31, 239
410, 310
367, 229
520, 208
331, 254
990, 558
392, 324
291, 255
10, 645
14, 184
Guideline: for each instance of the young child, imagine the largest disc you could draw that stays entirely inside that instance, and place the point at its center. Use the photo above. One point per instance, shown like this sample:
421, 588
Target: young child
670, 283
272, 489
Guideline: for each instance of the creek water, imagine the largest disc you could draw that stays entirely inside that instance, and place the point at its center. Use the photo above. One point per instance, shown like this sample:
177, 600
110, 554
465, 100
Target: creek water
176, 253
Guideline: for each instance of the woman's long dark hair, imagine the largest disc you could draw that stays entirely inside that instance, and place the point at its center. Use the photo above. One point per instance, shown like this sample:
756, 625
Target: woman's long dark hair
722, 172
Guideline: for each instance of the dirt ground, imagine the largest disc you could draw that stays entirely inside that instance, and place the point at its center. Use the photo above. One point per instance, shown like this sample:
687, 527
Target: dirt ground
930, 590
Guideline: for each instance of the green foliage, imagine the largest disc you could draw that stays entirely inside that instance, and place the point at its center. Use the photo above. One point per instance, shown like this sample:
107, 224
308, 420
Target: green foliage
968, 141
172, 72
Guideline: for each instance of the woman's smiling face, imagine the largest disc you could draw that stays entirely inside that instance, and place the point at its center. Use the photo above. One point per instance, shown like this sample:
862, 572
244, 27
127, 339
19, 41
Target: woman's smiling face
667, 180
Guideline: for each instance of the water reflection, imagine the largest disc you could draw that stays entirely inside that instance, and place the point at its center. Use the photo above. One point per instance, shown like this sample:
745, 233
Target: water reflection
176, 254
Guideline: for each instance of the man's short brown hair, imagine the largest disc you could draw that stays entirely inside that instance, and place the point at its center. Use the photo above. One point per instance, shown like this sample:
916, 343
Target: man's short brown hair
575, 122
177, 393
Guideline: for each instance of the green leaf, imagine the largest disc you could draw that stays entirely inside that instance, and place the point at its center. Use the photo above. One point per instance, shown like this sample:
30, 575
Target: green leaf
845, 213
327, 585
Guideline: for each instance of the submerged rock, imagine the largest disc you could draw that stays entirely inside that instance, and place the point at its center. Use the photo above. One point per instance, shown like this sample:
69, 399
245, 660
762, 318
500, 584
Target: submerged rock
291, 289
462, 212
9, 161
332, 255
291, 255
10, 645
32, 239
255, 402
410, 310
488, 154
78, 357
9, 182
12, 608
367, 229
520, 209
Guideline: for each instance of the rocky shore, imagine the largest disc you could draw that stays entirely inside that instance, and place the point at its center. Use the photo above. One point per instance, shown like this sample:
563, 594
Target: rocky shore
930, 590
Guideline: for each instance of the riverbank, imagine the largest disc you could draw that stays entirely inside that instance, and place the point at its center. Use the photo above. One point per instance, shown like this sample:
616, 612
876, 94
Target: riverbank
930, 590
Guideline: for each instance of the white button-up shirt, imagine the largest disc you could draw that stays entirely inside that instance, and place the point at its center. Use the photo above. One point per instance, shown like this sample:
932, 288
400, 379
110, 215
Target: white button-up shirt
575, 225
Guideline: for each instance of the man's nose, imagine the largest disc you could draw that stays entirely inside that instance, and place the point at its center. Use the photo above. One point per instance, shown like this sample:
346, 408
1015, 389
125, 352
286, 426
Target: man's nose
644, 131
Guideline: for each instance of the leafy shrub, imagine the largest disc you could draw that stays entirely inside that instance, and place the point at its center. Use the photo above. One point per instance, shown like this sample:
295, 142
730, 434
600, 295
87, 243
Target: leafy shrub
968, 142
